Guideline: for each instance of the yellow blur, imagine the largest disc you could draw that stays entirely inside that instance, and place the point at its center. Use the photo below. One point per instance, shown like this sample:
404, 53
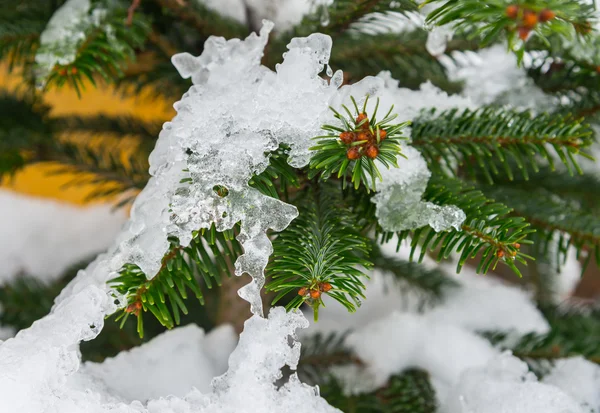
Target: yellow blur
37, 180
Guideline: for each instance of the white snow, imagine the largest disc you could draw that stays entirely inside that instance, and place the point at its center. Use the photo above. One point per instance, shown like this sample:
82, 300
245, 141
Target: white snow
42, 237
505, 385
580, 379
177, 361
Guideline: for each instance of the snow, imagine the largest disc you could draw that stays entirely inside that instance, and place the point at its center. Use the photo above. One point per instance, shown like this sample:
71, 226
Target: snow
580, 379
177, 360
505, 385
42, 237
492, 76
234, 9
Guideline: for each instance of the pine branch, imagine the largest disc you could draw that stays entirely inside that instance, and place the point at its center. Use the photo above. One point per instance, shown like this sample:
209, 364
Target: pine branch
404, 54
210, 256
110, 174
516, 20
572, 334
489, 230
552, 216
474, 138
338, 17
319, 253
106, 49
279, 178
431, 285
408, 392
103, 124
349, 150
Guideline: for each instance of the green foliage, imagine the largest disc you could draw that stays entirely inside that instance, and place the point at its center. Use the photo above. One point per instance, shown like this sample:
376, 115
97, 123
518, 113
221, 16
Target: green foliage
345, 151
555, 219
574, 332
209, 256
487, 20
319, 253
119, 126
489, 233
340, 15
278, 178
106, 49
407, 392
403, 54
472, 139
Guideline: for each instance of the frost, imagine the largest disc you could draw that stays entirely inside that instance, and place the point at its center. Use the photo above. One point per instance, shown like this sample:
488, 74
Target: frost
506, 385
63, 34
580, 379
399, 204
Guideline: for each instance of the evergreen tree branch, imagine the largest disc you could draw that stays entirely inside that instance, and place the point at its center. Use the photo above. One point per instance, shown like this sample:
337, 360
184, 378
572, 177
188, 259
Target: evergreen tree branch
474, 138
404, 54
104, 52
102, 124
319, 253
489, 230
553, 216
210, 255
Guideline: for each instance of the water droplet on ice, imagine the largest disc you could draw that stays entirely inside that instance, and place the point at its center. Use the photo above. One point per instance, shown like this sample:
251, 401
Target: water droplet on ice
329, 71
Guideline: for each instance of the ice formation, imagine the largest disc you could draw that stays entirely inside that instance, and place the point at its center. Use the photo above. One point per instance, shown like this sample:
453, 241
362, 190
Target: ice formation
580, 379
64, 33
236, 112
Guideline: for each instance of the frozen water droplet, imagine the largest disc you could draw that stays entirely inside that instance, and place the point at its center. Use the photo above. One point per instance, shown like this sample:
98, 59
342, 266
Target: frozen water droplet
337, 79
438, 40
324, 16
329, 71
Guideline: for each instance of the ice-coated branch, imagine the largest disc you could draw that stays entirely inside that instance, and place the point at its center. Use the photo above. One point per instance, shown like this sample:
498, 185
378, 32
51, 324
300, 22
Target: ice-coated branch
489, 229
488, 139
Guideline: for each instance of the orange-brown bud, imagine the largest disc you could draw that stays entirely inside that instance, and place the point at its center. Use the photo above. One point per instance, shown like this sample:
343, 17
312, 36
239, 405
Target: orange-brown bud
362, 117
372, 152
512, 11
347, 137
353, 153
546, 15
382, 134
73, 70
517, 245
315, 294
500, 254
524, 33
326, 287
530, 19
302, 291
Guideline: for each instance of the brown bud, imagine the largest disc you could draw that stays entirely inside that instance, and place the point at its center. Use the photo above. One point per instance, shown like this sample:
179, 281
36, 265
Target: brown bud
500, 254
372, 152
546, 15
363, 136
382, 134
62, 72
524, 33
362, 117
326, 287
530, 19
347, 137
302, 291
512, 11
315, 294
353, 153
517, 245
73, 70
